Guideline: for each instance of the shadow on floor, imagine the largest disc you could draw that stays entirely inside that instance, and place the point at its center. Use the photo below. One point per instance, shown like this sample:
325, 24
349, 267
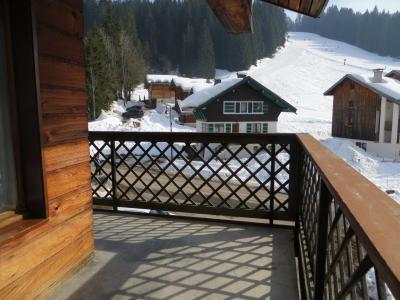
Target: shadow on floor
141, 257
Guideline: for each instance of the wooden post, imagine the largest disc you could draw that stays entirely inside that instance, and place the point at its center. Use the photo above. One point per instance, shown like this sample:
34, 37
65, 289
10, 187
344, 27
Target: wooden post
382, 121
320, 266
395, 123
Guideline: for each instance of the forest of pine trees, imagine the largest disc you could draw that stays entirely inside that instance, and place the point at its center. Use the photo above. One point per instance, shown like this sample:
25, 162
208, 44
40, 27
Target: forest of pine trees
375, 31
126, 39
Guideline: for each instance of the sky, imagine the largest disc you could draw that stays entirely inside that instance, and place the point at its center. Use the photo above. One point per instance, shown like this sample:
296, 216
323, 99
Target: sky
362, 5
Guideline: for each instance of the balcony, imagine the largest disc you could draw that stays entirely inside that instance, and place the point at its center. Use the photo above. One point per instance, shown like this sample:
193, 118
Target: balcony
237, 216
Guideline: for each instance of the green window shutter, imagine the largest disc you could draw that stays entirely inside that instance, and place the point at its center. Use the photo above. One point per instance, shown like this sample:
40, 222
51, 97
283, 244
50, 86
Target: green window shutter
249, 128
229, 107
210, 127
265, 128
228, 128
265, 107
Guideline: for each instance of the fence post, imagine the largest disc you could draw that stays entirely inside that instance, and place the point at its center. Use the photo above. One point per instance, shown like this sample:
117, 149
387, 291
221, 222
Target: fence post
322, 235
113, 176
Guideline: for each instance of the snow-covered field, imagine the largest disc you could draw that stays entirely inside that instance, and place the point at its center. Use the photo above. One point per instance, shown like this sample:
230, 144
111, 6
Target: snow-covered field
300, 73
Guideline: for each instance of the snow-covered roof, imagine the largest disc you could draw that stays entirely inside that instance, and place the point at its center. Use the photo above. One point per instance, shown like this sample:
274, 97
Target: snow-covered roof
389, 87
209, 94
158, 78
202, 96
187, 84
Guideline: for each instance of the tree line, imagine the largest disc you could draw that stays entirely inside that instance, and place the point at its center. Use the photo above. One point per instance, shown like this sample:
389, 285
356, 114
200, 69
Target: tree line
375, 31
126, 39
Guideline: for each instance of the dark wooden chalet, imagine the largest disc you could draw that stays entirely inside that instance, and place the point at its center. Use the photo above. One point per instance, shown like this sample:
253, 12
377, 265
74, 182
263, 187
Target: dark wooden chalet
395, 74
52, 171
366, 109
236, 105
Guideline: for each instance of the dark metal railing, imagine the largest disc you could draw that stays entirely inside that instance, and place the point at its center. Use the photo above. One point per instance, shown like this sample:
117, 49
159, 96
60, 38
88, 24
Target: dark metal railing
230, 174
338, 217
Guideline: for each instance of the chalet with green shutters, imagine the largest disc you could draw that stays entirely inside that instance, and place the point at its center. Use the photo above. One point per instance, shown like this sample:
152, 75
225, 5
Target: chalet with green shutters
238, 105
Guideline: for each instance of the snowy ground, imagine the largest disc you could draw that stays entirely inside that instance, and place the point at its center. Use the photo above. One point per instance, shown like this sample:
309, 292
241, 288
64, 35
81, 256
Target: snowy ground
300, 72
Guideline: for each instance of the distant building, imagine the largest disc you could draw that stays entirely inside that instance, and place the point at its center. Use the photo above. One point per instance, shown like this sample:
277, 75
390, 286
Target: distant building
395, 74
367, 110
236, 105
167, 89
160, 91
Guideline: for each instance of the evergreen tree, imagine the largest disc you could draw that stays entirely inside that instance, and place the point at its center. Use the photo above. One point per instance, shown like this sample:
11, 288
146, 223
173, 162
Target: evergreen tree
205, 61
98, 73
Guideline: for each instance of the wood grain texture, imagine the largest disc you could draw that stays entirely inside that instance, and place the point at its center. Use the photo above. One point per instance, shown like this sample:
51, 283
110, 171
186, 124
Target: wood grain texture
67, 180
65, 207
64, 128
63, 101
57, 73
50, 272
40, 249
57, 44
61, 15
66, 155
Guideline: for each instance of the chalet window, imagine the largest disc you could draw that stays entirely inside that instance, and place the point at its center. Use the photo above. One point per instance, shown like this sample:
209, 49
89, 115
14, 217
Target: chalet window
244, 107
8, 186
219, 128
265, 128
348, 119
229, 107
351, 104
255, 128
258, 107
210, 128
228, 127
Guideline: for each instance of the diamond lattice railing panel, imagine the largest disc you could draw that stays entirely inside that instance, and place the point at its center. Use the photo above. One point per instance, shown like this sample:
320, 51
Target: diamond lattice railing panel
251, 177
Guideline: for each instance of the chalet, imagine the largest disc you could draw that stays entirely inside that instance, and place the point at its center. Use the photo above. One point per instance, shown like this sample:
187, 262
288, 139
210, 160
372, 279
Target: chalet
60, 184
169, 88
236, 105
367, 110
160, 91
395, 74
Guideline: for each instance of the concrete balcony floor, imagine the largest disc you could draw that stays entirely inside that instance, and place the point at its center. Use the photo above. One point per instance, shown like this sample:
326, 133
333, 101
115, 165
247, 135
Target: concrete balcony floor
145, 257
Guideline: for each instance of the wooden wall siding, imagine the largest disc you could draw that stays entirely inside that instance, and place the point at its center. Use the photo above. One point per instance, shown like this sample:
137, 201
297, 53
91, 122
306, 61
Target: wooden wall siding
158, 91
235, 16
215, 109
366, 103
40, 256
311, 8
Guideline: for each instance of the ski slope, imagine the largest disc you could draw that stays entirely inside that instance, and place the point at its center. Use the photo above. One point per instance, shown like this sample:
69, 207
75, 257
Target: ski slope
301, 72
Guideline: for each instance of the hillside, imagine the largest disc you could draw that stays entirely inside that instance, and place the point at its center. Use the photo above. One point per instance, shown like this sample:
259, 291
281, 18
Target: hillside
301, 72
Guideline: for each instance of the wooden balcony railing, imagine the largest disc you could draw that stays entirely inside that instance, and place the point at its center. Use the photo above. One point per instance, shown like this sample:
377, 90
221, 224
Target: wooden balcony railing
346, 229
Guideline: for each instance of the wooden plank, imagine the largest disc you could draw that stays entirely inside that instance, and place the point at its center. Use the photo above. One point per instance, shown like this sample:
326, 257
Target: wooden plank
60, 15
70, 204
66, 155
64, 128
67, 180
53, 270
373, 215
63, 101
57, 73
16, 262
57, 44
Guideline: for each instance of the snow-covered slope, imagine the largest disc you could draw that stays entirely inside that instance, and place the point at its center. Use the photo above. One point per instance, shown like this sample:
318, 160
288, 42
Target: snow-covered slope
304, 69
301, 72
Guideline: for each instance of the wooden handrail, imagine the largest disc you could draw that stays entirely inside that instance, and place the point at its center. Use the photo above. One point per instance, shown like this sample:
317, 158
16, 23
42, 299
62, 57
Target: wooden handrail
373, 215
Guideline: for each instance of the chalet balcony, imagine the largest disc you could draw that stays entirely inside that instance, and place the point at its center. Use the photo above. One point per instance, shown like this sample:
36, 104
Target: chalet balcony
234, 216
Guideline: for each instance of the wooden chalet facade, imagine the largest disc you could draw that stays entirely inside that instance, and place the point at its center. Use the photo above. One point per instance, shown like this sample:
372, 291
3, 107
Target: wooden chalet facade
46, 202
367, 110
160, 90
47, 231
240, 105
